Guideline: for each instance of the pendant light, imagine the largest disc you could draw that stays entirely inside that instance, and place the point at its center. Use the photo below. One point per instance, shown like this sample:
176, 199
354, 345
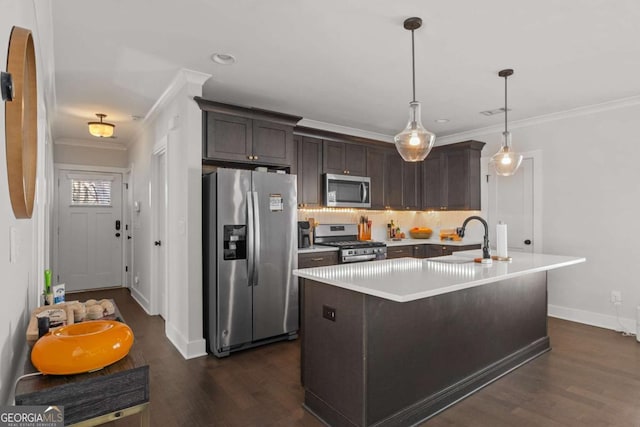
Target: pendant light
506, 161
101, 129
414, 142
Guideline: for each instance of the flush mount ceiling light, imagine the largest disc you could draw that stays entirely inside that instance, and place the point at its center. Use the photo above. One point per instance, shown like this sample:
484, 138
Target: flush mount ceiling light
223, 58
506, 161
101, 129
414, 142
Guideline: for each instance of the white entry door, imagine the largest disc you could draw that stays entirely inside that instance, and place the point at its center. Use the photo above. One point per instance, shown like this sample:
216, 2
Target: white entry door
511, 200
90, 230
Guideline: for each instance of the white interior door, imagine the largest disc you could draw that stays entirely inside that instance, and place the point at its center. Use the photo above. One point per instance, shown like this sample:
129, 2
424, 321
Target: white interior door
511, 200
160, 209
127, 234
90, 230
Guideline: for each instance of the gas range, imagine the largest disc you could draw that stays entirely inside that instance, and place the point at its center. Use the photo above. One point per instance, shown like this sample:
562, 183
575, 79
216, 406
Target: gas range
343, 236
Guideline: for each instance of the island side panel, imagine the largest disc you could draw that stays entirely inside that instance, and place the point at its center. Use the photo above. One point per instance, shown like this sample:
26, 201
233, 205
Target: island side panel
424, 355
334, 354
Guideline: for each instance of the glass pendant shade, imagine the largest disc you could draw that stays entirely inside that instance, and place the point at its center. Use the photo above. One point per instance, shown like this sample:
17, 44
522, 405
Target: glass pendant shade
415, 142
506, 162
101, 129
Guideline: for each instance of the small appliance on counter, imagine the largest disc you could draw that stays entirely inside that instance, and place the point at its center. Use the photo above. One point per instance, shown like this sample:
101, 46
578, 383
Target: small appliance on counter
344, 237
304, 234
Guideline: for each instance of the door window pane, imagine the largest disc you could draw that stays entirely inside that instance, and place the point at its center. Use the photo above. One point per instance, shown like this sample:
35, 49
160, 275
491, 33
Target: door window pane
90, 192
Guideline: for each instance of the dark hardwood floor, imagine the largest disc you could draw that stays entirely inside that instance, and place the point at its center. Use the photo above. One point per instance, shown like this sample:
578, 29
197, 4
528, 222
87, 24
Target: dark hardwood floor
590, 378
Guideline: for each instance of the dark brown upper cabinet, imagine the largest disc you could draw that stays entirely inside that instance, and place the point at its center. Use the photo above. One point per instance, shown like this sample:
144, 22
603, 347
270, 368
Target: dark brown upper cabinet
309, 170
393, 180
344, 158
411, 185
451, 177
247, 135
376, 167
402, 182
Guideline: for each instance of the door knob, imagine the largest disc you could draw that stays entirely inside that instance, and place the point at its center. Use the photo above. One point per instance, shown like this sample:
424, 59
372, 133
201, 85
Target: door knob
157, 243
117, 234
527, 242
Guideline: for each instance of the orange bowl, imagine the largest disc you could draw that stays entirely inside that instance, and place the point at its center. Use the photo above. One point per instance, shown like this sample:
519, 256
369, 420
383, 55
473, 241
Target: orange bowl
82, 347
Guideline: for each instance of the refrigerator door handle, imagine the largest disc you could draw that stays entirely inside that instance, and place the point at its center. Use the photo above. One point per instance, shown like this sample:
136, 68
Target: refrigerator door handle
250, 238
256, 239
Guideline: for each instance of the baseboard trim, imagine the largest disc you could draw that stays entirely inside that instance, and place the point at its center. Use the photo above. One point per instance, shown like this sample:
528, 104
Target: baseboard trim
188, 349
141, 300
591, 318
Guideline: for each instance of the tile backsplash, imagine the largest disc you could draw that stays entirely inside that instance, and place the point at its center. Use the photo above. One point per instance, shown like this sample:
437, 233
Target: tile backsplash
405, 220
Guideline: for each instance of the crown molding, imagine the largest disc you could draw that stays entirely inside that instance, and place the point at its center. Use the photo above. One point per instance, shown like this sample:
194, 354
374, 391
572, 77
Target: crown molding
104, 144
345, 130
184, 77
632, 101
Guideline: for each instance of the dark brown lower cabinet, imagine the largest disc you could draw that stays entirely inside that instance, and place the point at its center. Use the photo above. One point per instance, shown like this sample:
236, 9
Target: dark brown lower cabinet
317, 259
399, 251
309, 260
432, 250
426, 250
383, 363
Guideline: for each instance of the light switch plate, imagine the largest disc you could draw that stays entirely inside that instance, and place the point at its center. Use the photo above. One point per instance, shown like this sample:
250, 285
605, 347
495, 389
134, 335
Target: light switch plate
13, 245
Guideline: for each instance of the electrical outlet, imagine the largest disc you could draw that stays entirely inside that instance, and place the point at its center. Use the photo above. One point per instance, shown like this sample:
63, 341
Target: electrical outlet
616, 297
329, 313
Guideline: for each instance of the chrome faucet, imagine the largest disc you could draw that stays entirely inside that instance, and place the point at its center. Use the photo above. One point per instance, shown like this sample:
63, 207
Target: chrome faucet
485, 245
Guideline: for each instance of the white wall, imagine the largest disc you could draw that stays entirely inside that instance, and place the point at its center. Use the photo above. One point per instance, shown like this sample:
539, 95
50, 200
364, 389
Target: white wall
176, 121
591, 199
22, 279
90, 156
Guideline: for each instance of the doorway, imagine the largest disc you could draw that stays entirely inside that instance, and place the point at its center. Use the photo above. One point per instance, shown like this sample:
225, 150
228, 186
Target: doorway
516, 201
89, 250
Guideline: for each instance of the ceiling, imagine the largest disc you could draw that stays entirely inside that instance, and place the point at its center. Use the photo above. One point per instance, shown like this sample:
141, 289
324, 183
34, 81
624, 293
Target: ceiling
344, 62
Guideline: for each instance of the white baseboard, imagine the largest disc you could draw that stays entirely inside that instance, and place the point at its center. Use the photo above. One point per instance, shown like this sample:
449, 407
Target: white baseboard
188, 349
593, 319
141, 300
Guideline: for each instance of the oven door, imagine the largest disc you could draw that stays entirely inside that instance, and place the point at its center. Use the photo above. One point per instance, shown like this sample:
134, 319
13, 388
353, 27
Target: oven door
347, 191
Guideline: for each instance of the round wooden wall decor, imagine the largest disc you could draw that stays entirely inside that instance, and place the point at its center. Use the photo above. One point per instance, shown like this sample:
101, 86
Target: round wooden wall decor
21, 123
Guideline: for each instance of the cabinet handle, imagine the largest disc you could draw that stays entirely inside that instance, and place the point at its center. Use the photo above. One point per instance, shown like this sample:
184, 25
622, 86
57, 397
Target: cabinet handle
255, 157
250, 157
317, 259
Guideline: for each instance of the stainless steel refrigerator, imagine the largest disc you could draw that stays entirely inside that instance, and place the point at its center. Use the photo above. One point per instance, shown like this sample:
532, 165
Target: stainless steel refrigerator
250, 250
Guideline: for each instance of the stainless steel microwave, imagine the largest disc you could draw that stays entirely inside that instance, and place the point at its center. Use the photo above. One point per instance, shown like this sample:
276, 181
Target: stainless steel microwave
347, 191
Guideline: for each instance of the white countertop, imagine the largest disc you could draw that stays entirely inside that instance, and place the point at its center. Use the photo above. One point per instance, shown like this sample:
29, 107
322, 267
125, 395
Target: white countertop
317, 248
432, 241
410, 279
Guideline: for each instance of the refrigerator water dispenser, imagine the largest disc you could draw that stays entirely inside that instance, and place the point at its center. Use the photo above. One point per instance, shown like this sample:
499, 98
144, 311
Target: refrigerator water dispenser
235, 242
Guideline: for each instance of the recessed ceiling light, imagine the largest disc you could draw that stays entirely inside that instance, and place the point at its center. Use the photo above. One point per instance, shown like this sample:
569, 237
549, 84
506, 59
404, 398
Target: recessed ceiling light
442, 120
223, 58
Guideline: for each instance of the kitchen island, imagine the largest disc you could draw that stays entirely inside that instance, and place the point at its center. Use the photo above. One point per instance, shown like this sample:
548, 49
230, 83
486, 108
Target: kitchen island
394, 342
